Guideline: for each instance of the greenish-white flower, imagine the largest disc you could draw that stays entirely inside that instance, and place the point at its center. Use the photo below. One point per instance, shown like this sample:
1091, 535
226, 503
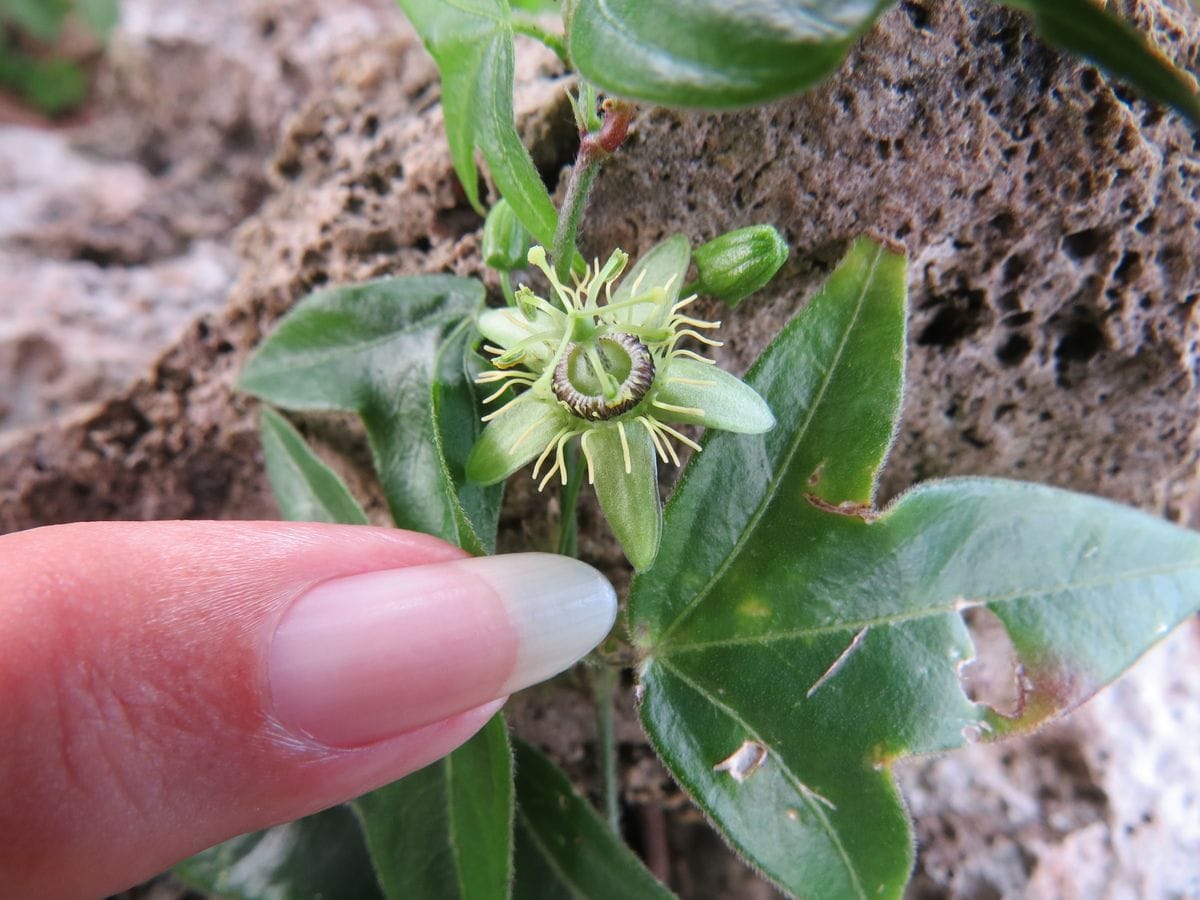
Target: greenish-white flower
606, 365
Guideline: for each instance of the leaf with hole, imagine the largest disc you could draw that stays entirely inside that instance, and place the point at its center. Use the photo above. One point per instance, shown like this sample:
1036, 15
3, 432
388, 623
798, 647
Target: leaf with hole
796, 642
712, 53
395, 352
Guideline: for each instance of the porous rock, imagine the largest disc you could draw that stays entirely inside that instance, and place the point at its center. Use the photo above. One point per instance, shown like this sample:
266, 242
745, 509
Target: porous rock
1050, 219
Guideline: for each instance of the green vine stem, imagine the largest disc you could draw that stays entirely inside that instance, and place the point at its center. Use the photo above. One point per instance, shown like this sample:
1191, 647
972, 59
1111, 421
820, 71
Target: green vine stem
555, 42
506, 287
604, 686
568, 529
594, 148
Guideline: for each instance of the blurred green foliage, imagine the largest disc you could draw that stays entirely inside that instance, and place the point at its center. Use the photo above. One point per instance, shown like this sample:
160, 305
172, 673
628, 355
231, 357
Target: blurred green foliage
33, 65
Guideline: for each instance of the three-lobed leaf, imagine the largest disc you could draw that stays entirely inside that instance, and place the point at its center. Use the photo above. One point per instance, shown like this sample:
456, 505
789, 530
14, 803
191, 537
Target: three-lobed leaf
394, 351
795, 642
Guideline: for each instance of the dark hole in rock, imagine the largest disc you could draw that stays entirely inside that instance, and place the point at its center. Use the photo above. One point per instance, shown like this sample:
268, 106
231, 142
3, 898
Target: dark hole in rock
918, 14
1081, 342
1083, 244
1128, 268
1014, 350
959, 315
1014, 267
1004, 223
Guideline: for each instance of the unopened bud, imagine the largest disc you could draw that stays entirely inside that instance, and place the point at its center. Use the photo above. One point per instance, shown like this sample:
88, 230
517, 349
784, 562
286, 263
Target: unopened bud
505, 240
738, 263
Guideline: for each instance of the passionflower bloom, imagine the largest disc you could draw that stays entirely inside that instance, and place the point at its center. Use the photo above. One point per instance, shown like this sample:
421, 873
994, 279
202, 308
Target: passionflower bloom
605, 364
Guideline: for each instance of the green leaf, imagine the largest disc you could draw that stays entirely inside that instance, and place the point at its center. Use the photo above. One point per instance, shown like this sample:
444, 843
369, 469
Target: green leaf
712, 53
318, 856
564, 850
446, 831
52, 85
1088, 29
796, 643
472, 43
306, 488
392, 351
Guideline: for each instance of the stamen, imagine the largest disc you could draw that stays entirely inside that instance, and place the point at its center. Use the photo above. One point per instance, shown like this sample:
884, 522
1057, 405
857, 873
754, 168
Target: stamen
524, 434
654, 438
682, 410
625, 448
673, 352
687, 332
695, 323
499, 412
587, 455
682, 438
685, 302
696, 382
545, 455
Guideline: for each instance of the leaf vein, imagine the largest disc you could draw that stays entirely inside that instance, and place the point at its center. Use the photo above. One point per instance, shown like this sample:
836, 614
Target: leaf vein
781, 469
810, 796
923, 612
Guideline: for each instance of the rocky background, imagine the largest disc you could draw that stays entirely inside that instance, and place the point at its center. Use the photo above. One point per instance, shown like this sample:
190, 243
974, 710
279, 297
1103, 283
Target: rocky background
240, 153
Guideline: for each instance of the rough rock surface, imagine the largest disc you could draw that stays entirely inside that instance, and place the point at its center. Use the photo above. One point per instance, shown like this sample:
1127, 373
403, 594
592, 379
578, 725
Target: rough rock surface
1052, 225
116, 233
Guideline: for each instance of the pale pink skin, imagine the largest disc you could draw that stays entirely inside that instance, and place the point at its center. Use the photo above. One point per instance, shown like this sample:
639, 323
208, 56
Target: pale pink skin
137, 724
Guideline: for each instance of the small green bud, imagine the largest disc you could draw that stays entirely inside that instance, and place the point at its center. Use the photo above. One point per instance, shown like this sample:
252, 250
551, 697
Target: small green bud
738, 263
505, 240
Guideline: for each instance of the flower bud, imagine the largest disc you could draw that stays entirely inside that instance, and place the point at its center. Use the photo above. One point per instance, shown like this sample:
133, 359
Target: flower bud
738, 263
505, 240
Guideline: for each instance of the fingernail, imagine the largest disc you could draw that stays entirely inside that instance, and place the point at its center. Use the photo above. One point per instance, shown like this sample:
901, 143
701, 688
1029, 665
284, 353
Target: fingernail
367, 657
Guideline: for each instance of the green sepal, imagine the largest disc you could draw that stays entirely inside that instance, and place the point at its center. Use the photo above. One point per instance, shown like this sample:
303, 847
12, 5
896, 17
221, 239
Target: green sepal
738, 263
507, 327
725, 400
629, 499
514, 438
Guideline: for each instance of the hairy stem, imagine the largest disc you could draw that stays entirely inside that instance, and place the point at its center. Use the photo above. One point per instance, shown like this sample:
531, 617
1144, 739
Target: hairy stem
582, 176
